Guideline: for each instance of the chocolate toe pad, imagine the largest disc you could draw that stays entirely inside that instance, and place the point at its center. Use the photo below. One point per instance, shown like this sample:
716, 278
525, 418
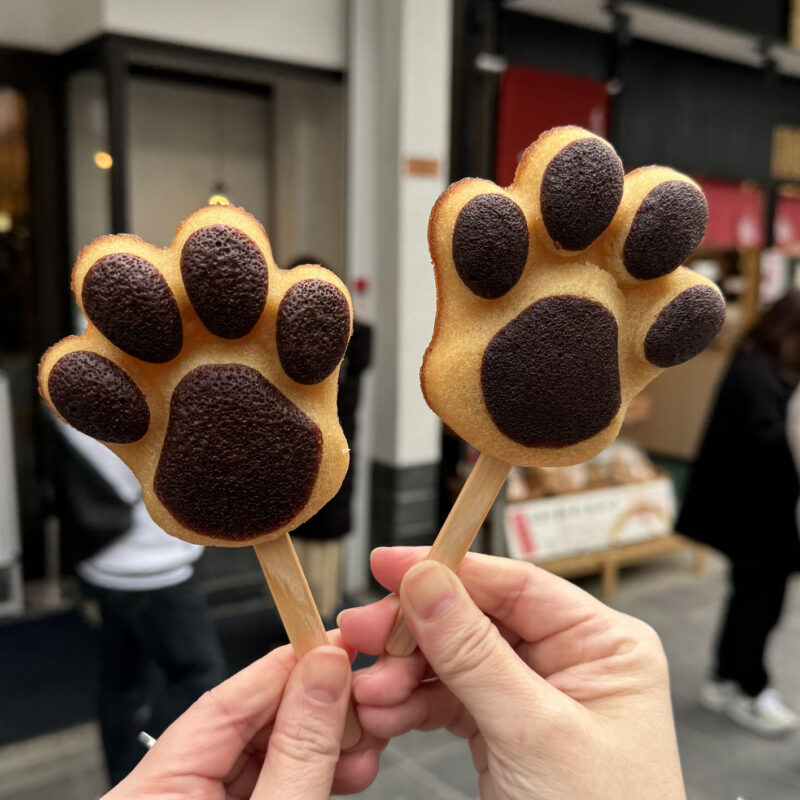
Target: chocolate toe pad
98, 398
580, 193
490, 245
550, 378
226, 278
685, 327
239, 458
666, 229
312, 330
132, 306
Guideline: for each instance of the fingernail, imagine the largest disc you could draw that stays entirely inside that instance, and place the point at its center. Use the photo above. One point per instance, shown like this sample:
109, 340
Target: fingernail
377, 550
428, 590
325, 675
339, 618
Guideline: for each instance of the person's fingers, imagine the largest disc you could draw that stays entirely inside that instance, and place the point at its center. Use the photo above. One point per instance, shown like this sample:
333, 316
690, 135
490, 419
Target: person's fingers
529, 601
480, 752
336, 639
367, 628
356, 772
606, 644
304, 747
358, 766
389, 681
390, 564
239, 782
430, 707
468, 653
208, 739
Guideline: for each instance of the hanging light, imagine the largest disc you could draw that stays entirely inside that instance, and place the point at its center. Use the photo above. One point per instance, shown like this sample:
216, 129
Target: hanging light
219, 191
6, 222
219, 195
103, 160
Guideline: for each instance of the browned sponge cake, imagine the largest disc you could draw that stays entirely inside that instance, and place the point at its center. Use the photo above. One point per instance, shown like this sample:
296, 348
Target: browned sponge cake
560, 297
211, 373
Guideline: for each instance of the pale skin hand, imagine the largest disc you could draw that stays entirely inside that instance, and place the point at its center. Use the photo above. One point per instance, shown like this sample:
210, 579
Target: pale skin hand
271, 732
559, 696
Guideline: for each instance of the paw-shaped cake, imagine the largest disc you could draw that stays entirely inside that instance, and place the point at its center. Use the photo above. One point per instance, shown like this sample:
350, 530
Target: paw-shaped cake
212, 374
560, 297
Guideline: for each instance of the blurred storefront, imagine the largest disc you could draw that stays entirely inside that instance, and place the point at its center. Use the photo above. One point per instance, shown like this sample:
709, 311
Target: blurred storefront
338, 124
120, 117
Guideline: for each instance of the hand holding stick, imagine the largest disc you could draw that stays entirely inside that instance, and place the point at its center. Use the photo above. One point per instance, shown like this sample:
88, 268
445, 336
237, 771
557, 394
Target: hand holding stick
295, 603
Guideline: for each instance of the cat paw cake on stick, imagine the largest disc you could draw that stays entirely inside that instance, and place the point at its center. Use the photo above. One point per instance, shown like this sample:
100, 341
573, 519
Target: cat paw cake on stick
213, 375
559, 298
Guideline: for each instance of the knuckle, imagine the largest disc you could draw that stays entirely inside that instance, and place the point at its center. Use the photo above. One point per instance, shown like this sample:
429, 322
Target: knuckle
212, 704
641, 643
305, 741
467, 648
509, 601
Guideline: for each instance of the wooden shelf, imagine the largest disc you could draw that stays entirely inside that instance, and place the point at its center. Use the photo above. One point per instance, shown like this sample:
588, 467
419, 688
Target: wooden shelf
608, 562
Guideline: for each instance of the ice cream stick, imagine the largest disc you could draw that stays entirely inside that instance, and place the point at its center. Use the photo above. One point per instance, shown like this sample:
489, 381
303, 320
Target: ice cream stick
289, 588
458, 532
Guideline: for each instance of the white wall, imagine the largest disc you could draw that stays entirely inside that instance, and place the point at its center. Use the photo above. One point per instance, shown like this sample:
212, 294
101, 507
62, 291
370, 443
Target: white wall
424, 134
301, 31
50, 25
399, 78
372, 205
374, 190
71, 21
398, 108
310, 32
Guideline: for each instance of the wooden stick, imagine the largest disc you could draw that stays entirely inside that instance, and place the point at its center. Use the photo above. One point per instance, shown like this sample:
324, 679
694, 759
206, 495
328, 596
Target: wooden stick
457, 534
289, 588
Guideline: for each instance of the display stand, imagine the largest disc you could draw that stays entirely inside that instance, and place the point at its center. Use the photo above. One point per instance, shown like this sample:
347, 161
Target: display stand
606, 562
609, 561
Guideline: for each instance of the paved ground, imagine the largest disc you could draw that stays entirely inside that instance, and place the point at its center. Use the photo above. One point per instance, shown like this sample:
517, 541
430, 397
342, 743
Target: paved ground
721, 762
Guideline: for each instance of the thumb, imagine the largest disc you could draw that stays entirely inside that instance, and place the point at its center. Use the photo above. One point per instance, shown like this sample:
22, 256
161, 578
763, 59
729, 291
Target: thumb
467, 651
303, 749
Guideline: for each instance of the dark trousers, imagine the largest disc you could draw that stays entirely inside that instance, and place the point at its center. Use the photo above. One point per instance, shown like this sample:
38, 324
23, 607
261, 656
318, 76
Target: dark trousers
160, 653
754, 607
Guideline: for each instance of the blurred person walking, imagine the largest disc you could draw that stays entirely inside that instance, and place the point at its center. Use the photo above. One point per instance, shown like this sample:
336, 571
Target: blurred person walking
160, 651
741, 500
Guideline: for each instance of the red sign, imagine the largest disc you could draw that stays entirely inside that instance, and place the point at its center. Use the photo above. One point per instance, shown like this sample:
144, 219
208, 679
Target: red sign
525, 541
532, 101
735, 214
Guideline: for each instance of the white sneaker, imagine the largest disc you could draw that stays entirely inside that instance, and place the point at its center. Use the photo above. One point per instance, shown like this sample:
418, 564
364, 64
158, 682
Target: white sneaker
718, 695
766, 715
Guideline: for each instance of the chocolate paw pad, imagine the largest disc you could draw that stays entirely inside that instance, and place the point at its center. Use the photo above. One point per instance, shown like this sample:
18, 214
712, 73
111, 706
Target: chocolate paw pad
561, 296
211, 373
